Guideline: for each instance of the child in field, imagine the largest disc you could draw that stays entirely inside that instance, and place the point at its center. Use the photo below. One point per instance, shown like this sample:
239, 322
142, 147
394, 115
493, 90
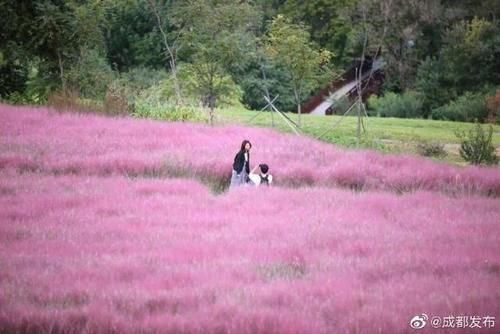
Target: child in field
263, 178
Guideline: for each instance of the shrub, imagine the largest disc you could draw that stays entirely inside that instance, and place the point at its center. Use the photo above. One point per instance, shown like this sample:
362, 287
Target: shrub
156, 104
476, 145
341, 105
466, 108
166, 111
407, 105
90, 76
431, 149
373, 104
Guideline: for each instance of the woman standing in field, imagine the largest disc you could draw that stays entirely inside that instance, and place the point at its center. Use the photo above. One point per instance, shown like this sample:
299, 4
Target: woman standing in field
241, 165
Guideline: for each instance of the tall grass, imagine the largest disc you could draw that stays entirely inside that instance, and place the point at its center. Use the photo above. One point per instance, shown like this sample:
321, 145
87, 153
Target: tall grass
92, 254
104, 228
37, 139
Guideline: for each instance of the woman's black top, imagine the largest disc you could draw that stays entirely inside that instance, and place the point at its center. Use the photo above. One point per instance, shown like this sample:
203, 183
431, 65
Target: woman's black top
239, 162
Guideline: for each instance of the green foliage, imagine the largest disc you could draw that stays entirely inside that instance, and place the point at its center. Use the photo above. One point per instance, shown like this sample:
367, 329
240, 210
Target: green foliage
328, 23
441, 49
373, 104
407, 105
367, 141
132, 39
217, 32
400, 29
141, 78
471, 55
476, 145
158, 102
17, 98
430, 83
13, 77
289, 45
467, 108
148, 108
89, 20
54, 39
254, 85
16, 45
218, 35
90, 75
341, 105
195, 90
36, 85
122, 92
47, 35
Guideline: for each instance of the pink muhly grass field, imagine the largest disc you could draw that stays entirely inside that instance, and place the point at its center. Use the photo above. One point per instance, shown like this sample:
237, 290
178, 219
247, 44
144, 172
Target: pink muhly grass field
95, 238
85, 253
43, 140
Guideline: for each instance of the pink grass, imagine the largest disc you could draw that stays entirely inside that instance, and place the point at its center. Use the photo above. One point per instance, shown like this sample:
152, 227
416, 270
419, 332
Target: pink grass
113, 254
86, 248
41, 140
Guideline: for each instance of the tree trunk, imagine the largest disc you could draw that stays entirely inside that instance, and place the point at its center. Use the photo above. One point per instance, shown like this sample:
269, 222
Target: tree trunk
299, 107
177, 87
358, 128
61, 70
211, 106
170, 50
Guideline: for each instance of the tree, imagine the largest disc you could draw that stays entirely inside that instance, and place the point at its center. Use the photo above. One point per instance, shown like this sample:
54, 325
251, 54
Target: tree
170, 44
328, 23
405, 31
131, 35
263, 74
46, 38
430, 83
471, 55
30, 29
54, 39
16, 44
218, 36
289, 45
90, 75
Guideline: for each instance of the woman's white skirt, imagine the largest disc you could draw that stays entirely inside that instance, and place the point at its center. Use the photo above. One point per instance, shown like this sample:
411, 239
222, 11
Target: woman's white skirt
238, 179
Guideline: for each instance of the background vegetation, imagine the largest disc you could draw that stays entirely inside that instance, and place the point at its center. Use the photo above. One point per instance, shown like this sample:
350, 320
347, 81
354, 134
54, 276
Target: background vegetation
169, 59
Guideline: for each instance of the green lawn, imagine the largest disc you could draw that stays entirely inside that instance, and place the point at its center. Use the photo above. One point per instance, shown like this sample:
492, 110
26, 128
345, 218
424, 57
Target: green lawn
385, 134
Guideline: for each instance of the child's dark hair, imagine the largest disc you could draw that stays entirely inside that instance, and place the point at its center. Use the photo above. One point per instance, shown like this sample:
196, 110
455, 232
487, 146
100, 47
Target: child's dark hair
264, 168
244, 143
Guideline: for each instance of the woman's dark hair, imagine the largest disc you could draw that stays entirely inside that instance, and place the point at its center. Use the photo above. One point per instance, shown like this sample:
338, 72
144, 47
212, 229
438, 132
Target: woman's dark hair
244, 143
